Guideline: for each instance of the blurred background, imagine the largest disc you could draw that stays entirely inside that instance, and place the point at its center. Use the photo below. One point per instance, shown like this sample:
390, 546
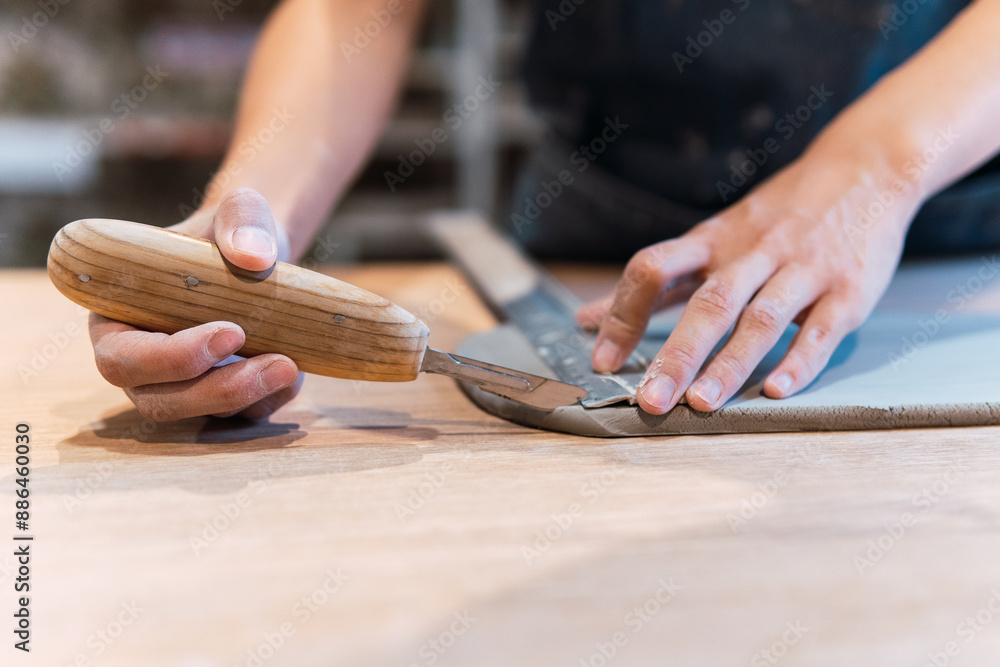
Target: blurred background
89, 126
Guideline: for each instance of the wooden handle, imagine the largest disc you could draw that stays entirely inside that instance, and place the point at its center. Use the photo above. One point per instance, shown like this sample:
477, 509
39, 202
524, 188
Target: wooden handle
164, 281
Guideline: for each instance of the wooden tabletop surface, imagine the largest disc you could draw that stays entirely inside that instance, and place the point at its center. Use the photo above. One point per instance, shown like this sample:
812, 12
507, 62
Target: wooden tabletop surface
396, 524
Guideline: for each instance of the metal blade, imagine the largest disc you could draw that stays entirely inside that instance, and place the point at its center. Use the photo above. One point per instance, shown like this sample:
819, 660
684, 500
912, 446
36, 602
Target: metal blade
547, 321
534, 390
521, 292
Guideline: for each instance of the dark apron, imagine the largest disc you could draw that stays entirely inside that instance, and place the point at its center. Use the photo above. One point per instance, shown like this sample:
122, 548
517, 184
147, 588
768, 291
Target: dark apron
662, 113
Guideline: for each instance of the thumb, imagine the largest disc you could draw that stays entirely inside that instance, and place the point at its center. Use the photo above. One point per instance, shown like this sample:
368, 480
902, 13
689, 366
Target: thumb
245, 230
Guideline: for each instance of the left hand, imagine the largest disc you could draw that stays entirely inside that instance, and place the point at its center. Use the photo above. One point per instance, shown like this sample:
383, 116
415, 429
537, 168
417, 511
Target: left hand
795, 249
177, 376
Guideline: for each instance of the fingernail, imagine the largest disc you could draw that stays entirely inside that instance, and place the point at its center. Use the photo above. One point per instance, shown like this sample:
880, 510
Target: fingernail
783, 383
277, 375
254, 241
658, 391
224, 343
605, 359
708, 390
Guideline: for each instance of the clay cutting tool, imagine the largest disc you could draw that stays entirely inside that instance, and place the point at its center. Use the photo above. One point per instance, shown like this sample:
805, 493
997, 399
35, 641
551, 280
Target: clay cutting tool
164, 281
523, 294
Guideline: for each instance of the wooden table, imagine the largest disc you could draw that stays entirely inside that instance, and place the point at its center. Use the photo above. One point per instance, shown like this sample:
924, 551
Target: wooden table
396, 524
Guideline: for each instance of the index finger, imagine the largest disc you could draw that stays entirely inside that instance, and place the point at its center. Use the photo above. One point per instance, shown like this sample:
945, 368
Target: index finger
130, 357
710, 312
648, 274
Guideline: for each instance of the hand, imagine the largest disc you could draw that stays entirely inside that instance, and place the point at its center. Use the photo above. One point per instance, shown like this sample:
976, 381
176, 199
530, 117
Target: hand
175, 376
793, 250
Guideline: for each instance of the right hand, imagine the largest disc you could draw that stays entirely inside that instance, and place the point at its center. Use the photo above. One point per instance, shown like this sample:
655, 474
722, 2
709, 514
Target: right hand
175, 376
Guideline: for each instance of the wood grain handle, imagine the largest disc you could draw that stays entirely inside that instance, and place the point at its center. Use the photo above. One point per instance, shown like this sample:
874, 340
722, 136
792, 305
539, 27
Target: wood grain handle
164, 281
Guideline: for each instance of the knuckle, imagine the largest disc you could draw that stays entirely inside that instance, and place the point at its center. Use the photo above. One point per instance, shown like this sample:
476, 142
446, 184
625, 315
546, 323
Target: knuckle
242, 206
846, 316
245, 197
686, 354
237, 394
189, 366
730, 369
813, 255
850, 293
109, 366
768, 315
716, 299
770, 244
621, 326
648, 265
644, 266
849, 287
153, 408
808, 362
819, 336
708, 228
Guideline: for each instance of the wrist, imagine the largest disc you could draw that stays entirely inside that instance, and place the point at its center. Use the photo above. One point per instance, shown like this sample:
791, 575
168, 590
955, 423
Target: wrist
889, 174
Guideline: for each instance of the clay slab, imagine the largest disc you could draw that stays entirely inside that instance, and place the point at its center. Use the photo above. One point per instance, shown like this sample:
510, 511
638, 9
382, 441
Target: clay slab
928, 356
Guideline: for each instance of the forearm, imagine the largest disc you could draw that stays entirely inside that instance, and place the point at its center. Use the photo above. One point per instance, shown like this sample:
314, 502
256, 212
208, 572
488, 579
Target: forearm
933, 119
308, 117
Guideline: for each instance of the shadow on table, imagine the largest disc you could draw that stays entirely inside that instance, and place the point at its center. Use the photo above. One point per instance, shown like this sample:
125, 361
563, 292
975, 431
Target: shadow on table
125, 451
128, 432
402, 425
